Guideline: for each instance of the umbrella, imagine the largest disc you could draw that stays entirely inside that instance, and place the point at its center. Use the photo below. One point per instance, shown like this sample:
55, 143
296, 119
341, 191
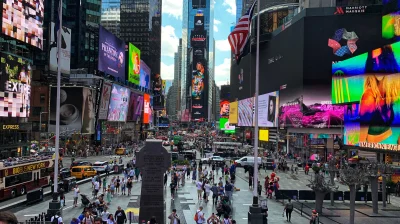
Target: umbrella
314, 157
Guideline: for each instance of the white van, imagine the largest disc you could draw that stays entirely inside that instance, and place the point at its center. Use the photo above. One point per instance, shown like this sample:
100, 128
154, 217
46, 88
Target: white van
247, 161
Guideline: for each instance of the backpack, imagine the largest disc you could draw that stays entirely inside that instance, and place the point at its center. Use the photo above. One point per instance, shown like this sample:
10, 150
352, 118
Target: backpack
55, 219
196, 217
228, 187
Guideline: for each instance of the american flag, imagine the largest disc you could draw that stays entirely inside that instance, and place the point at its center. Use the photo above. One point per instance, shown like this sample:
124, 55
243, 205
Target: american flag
239, 37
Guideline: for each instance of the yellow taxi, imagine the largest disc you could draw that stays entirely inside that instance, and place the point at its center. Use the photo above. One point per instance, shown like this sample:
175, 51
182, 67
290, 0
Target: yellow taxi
82, 172
120, 151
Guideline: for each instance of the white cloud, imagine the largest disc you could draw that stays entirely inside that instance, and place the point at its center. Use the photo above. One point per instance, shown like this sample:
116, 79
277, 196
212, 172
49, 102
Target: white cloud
222, 45
231, 4
167, 71
223, 72
216, 22
173, 8
169, 41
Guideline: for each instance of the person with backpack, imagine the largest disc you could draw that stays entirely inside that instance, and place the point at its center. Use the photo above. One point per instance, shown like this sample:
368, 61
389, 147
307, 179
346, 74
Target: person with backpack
288, 208
228, 190
56, 219
199, 216
120, 215
88, 219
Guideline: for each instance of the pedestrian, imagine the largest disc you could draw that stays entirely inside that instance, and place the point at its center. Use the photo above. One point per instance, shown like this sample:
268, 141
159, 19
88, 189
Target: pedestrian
314, 217
173, 189
76, 221
117, 185
132, 173
199, 186
111, 220
76, 194
228, 190
288, 208
174, 217
109, 195
93, 181
8, 218
137, 172
104, 184
250, 181
152, 220
123, 186
112, 187
57, 217
129, 185
88, 219
207, 189
98, 220
120, 216
259, 188
165, 179
306, 169
213, 219
199, 216
226, 219
194, 175
214, 190
96, 188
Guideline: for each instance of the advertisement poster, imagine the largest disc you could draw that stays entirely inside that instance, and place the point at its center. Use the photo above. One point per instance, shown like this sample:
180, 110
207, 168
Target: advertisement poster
198, 23
134, 64
15, 91
146, 109
290, 102
118, 107
157, 84
198, 81
371, 82
23, 20
71, 109
111, 54
268, 109
88, 108
144, 75
196, 4
224, 109
233, 112
246, 114
198, 39
65, 49
105, 100
135, 107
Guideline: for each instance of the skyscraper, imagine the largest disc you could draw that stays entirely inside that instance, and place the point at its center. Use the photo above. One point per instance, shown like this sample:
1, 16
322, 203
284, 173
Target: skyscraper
239, 8
197, 13
110, 16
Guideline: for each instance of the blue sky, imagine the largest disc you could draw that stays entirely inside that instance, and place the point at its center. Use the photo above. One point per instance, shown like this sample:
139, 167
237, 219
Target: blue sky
224, 17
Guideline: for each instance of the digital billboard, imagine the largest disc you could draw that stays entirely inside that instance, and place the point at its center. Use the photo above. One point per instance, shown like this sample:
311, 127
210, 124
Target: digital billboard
371, 82
198, 4
135, 107
15, 88
198, 39
111, 54
88, 111
134, 64
145, 73
263, 135
198, 23
268, 109
246, 112
224, 109
233, 112
105, 100
23, 20
198, 81
65, 49
119, 103
157, 84
146, 109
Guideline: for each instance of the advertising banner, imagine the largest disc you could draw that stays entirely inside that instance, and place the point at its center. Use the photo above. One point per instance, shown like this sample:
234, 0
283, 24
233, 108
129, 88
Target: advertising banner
263, 135
105, 100
198, 4
23, 20
198, 81
15, 88
164, 85
146, 109
135, 107
371, 81
199, 23
224, 109
198, 39
119, 100
134, 64
111, 54
144, 75
246, 112
157, 84
65, 49
268, 109
88, 111
71, 110
233, 112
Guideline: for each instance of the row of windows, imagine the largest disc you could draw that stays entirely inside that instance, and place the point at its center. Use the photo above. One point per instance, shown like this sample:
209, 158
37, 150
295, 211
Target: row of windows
17, 179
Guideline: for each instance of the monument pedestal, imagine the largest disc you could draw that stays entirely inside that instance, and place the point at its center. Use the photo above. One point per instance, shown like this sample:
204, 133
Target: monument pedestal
54, 206
255, 215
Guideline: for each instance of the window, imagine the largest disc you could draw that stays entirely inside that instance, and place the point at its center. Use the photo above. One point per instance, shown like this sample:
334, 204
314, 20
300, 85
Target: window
42, 98
17, 179
46, 172
76, 170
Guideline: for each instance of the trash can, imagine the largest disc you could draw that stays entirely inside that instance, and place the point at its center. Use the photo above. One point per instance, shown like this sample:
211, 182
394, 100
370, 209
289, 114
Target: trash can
69, 183
34, 196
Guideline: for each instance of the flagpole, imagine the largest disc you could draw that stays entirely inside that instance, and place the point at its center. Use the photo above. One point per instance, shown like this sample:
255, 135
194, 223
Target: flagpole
57, 139
255, 182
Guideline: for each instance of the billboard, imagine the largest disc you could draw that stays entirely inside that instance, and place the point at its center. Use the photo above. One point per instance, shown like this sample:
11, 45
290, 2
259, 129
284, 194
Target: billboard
198, 4
198, 81
157, 84
119, 100
198, 23
246, 112
263, 135
146, 109
198, 39
23, 20
370, 83
15, 88
88, 111
135, 107
111, 54
268, 109
105, 100
71, 109
233, 112
144, 75
224, 109
65, 49
134, 64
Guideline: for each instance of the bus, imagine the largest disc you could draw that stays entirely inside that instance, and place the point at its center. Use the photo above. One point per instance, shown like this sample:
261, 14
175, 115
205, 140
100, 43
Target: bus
24, 175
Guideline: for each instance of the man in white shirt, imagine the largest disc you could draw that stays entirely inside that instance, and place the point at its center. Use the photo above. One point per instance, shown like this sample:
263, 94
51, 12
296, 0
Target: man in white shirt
207, 186
76, 194
200, 215
58, 217
104, 216
96, 188
199, 186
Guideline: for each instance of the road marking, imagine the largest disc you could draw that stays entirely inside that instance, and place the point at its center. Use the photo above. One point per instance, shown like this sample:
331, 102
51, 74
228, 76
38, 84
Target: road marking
70, 206
245, 218
247, 204
31, 215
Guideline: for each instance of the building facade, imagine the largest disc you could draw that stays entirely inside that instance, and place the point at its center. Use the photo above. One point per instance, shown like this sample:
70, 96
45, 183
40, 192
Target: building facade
110, 16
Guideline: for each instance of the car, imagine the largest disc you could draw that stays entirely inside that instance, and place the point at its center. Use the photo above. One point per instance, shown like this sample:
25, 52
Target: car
81, 163
101, 166
166, 143
65, 173
212, 158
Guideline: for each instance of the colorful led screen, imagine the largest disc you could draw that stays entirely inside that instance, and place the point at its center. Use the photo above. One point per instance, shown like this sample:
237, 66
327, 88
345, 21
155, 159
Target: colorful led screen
371, 82
246, 112
119, 103
144, 75
134, 64
268, 109
224, 108
391, 26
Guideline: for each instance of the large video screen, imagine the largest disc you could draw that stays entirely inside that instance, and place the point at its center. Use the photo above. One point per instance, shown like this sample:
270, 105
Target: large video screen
146, 109
268, 109
371, 82
198, 82
65, 49
135, 107
145, 72
246, 112
23, 20
105, 100
15, 91
134, 64
119, 102
111, 54
224, 108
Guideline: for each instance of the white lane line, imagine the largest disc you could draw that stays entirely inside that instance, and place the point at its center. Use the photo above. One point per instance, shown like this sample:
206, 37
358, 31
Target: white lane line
31, 215
245, 218
247, 204
68, 207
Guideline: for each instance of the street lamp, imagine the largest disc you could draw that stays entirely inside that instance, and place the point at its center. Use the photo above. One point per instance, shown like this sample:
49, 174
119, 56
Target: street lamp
40, 123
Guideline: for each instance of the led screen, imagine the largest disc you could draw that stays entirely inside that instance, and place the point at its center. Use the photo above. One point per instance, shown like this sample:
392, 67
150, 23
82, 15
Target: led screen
65, 49
198, 82
135, 107
371, 82
105, 100
246, 107
263, 135
233, 112
134, 64
146, 109
111, 54
119, 102
224, 109
15, 88
144, 75
391, 26
268, 109
23, 20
